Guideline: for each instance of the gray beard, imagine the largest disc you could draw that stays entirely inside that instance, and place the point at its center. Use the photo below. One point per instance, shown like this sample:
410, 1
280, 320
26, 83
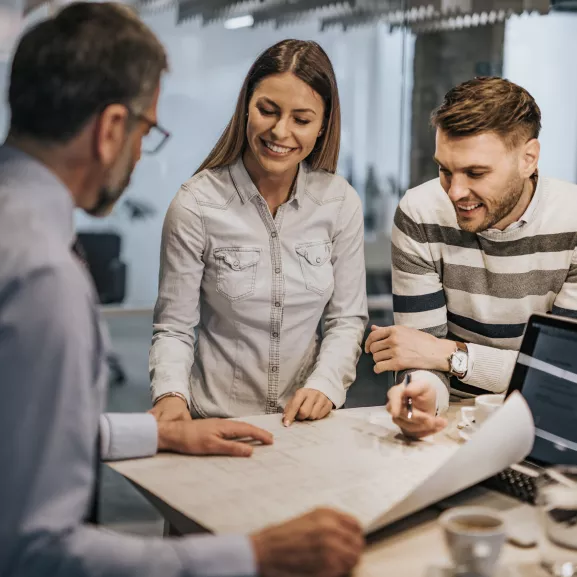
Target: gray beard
107, 198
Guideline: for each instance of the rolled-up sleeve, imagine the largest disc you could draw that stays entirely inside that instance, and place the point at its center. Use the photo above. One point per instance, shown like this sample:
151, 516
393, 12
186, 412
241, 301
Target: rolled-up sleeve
177, 310
345, 316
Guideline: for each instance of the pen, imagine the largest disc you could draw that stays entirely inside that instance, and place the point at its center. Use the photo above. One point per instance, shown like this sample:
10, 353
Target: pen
409, 400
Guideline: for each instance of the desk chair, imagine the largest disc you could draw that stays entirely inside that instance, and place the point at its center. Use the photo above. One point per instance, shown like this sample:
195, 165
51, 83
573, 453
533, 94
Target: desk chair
102, 252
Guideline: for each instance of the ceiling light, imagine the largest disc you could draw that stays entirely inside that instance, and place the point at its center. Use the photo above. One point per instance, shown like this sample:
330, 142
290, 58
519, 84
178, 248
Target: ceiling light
239, 22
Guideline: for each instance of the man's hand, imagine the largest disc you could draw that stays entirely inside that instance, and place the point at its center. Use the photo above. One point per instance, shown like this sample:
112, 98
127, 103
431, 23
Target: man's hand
210, 437
323, 543
423, 421
171, 409
307, 404
398, 348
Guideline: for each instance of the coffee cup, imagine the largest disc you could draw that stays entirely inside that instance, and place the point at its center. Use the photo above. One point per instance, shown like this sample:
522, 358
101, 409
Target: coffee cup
474, 536
485, 406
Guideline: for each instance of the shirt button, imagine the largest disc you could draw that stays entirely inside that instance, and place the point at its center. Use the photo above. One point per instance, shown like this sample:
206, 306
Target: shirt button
275, 335
318, 259
273, 234
277, 304
277, 270
274, 369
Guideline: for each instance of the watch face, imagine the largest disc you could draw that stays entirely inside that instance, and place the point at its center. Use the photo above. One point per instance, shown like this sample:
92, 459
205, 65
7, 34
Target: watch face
459, 362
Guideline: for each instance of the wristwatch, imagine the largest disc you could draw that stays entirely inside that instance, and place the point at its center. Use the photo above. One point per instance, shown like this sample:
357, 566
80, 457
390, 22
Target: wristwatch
459, 361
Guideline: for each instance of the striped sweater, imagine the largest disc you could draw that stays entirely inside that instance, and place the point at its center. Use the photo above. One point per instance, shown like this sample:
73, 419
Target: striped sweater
482, 288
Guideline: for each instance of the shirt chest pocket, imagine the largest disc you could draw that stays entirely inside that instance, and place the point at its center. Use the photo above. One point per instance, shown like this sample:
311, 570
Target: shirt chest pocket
236, 271
315, 261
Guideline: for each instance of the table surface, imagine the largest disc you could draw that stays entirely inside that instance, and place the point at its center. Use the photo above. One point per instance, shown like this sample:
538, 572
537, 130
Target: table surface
412, 546
416, 544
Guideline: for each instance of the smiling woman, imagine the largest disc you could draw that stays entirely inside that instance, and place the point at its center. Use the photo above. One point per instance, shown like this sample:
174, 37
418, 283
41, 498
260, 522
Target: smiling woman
261, 247
279, 69
285, 120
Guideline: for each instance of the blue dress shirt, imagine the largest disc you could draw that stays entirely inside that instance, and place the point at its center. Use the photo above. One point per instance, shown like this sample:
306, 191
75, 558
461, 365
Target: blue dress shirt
53, 386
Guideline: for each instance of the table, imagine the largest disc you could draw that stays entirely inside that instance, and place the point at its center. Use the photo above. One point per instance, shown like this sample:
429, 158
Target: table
406, 548
411, 546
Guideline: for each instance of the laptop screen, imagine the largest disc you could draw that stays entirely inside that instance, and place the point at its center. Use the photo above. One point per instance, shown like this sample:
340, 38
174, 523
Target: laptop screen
546, 375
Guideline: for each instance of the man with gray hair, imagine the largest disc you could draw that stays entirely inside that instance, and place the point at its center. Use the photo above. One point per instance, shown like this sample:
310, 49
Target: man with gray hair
84, 88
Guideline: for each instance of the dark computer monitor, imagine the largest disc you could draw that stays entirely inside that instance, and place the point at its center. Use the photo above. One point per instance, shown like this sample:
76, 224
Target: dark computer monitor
546, 375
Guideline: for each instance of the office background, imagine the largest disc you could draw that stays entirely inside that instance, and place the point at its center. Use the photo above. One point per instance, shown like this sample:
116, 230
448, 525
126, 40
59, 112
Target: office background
394, 60
390, 77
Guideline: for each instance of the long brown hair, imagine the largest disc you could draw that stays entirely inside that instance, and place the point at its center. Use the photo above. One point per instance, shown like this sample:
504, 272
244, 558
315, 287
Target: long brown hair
307, 61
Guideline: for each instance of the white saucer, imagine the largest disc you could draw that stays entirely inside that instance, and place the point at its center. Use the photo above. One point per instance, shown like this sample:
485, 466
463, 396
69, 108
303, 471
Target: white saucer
516, 570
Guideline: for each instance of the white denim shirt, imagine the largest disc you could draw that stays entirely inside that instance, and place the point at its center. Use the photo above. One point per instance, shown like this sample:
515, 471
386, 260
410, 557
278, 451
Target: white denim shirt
251, 307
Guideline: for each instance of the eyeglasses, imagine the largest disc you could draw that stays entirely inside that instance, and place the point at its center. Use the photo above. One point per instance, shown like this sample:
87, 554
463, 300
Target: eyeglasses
156, 137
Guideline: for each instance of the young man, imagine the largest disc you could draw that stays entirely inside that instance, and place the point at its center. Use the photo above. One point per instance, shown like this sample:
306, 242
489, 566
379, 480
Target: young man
83, 93
475, 253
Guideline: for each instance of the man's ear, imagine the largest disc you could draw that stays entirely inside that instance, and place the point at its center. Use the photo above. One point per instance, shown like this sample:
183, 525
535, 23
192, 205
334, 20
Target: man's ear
530, 158
111, 132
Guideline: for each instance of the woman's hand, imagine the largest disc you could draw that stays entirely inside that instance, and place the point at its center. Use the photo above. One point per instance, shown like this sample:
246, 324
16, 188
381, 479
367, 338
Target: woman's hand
171, 409
307, 404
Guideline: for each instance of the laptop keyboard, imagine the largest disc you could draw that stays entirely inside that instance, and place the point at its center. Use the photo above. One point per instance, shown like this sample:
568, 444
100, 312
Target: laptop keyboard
519, 484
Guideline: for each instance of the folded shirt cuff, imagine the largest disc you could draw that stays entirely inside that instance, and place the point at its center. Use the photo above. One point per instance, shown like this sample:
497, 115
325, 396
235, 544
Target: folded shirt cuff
127, 436
221, 556
336, 394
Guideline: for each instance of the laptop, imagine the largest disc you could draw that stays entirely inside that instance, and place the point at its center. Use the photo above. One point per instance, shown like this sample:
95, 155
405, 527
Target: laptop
546, 375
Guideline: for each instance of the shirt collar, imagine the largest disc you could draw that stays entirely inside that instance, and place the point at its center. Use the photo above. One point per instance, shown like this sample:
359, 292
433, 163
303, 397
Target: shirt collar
45, 192
528, 214
247, 190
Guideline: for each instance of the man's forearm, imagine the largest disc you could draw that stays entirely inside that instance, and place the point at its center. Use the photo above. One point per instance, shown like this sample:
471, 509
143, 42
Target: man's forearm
85, 551
170, 436
491, 369
135, 435
439, 359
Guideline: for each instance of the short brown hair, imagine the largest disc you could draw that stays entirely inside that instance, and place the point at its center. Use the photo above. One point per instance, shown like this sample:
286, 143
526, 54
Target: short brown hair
309, 62
489, 104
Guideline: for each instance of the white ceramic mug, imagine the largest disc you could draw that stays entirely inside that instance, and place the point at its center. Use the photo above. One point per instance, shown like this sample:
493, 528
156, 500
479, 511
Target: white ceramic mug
474, 536
485, 406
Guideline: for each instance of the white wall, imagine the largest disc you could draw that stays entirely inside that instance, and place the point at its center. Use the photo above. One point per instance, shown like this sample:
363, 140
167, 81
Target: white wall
208, 66
540, 55
10, 26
